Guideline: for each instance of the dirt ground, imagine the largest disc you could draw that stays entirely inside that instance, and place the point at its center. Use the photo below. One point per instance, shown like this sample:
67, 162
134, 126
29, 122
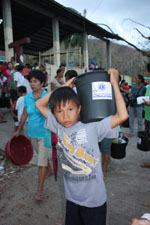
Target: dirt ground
127, 184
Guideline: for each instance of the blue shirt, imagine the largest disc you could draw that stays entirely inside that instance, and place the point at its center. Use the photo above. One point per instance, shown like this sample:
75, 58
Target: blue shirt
36, 120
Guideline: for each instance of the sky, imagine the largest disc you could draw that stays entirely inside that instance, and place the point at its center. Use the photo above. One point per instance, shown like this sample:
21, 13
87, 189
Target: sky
115, 14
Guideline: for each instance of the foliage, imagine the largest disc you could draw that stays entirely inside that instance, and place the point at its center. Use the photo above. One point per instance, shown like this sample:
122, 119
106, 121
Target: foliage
74, 40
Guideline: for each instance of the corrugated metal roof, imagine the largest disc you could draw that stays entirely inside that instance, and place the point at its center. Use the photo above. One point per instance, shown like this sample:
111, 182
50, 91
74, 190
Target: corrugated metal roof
33, 18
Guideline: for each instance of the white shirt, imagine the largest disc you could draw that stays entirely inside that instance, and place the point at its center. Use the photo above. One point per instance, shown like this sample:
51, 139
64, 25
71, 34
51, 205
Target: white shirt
19, 78
3, 80
27, 85
20, 106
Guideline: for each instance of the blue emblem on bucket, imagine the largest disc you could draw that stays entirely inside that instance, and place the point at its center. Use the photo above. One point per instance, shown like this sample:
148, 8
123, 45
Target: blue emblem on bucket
101, 87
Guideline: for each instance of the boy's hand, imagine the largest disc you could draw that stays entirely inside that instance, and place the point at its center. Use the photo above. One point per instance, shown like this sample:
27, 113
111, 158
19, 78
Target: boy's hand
114, 75
69, 83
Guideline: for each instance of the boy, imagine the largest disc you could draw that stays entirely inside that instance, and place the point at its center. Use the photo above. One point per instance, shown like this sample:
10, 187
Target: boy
79, 152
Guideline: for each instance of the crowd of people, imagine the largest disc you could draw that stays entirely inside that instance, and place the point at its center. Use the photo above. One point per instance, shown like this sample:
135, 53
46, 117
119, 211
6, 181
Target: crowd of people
24, 88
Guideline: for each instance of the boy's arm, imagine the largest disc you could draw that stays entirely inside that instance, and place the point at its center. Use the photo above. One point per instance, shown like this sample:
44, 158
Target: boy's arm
42, 103
121, 114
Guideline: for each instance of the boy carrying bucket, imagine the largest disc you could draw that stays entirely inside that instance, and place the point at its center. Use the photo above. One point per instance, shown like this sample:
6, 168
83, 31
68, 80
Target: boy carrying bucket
79, 151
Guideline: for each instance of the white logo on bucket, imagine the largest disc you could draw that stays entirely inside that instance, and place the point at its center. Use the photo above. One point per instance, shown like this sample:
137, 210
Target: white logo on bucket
101, 90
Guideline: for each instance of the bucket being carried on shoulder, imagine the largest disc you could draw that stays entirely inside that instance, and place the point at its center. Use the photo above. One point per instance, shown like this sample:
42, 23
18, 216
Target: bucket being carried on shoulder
96, 95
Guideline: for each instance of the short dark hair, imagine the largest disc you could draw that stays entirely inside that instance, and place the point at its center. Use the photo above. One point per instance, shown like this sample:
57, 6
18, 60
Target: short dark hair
70, 74
38, 74
62, 95
19, 67
58, 71
141, 77
22, 89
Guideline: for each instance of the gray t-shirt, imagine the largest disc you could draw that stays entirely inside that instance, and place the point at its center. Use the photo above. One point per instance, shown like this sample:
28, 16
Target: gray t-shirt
81, 159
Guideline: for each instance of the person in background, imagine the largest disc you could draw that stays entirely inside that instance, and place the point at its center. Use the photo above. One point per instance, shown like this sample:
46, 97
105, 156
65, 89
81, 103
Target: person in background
69, 75
105, 148
22, 91
43, 69
3, 91
18, 78
35, 128
92, 66
8, 73
3, 119
36, 66
79, 151
57, 82
3, 84
62, 67
25, 82
147, 122
12, 60
13, 100
147, 114
4, 68
125, 92
138, 90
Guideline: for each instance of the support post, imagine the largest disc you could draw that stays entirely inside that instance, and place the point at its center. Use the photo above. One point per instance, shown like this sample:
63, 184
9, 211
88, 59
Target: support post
85, 50
56, 42
8, 31
108, 55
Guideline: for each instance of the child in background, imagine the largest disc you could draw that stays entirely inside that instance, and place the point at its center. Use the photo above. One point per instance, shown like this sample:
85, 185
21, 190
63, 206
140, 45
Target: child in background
18, 78
69, 75
13, 111
20, 105
79, 152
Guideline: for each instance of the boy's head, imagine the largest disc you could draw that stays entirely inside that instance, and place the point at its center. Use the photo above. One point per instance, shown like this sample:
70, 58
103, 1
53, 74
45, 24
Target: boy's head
69, 74
22, 90
65, 106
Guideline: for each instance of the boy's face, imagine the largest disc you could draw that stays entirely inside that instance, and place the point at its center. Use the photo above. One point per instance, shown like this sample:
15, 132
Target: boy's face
67, 115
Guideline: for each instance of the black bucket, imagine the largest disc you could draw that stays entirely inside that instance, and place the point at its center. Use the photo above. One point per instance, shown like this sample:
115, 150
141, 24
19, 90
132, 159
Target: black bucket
118, 150
96, 95
142, 143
